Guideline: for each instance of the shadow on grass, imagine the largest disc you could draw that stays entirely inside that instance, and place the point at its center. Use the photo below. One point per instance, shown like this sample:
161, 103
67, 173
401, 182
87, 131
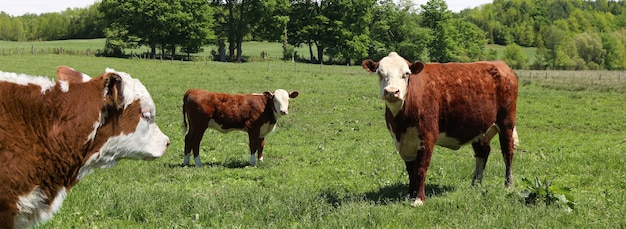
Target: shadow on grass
225, 164
387, 195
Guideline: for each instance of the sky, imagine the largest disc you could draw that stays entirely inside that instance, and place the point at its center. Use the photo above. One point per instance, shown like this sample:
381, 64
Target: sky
21, 7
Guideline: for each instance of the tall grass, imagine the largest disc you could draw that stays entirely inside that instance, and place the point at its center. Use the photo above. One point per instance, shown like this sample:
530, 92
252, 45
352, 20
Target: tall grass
331, 162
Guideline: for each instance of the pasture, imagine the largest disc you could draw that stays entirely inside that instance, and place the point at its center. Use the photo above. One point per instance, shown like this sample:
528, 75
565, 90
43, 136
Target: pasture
331, 162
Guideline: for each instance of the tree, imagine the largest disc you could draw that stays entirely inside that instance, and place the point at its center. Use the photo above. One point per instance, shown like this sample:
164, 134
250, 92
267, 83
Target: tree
552, 39
238, 17
470, 41
614, 52
172, 23
436, 16
589, 48
395, 28
514, 56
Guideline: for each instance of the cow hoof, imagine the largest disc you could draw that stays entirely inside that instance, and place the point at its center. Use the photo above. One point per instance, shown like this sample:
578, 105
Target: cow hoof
417, 202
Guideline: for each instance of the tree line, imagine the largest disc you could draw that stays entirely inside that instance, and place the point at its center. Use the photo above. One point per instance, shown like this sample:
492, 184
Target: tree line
568, 34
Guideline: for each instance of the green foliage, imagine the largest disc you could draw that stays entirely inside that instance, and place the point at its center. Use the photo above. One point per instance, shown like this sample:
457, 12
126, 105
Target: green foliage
514, 56
436, 16
546, 192
172, 24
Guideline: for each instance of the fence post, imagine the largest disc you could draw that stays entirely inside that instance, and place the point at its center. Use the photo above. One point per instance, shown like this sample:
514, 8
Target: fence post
32, 49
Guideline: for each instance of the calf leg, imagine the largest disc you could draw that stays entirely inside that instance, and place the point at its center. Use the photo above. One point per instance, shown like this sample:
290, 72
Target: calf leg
260, 149
254, 144
481, 153
192, 143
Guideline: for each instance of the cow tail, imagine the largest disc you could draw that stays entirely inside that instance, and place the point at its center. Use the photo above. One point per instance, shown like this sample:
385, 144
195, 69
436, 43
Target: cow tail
184, 125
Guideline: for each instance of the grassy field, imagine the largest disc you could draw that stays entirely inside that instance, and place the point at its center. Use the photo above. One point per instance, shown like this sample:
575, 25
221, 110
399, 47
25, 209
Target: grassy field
331, 162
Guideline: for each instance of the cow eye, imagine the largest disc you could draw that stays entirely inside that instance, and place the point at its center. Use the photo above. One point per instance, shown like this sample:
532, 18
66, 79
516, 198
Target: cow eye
147, 116
406, 75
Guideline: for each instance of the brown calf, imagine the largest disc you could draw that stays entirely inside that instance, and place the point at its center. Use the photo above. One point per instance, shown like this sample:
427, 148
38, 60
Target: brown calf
254, 113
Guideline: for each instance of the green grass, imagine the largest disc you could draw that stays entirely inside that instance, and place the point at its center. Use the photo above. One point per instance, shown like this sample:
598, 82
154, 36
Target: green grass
331, 162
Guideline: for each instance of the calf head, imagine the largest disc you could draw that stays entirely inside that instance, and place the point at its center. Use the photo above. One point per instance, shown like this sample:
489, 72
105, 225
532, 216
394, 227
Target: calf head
280, 98
393, 73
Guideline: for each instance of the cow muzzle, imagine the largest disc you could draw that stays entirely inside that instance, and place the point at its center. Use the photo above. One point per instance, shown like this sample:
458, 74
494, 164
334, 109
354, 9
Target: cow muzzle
391, 94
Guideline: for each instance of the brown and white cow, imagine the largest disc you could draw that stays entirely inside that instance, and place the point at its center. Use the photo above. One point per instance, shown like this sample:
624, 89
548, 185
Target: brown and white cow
254, 113
447, 105
54, 133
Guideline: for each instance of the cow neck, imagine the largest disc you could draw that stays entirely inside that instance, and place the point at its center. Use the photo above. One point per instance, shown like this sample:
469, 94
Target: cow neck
271, 109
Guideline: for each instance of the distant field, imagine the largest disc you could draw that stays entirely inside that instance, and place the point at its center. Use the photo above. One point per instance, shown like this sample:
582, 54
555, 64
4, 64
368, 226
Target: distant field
331, 162
251, 49
531, 53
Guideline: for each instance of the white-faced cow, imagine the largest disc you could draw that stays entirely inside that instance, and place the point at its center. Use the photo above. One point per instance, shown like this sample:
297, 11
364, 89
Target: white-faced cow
447, 105
254, 113
54, 133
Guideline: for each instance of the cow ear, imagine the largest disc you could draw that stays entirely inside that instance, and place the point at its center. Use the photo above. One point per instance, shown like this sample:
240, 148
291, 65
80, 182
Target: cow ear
268, 95
113, 90
416, 67
293, 94
370, 65
70, 75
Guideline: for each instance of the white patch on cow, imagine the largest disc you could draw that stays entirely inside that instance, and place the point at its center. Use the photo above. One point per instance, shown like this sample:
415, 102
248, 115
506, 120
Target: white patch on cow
448, 142
86, 77
418, 202
65, 86
32, 210
23, 79
409, 144
393, 72
266, 128
217, 126
146, 143
197, 161
253, 159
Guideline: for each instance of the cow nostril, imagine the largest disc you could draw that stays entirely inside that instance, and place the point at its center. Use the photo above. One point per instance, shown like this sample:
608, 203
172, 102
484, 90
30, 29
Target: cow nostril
168, 143
392, 91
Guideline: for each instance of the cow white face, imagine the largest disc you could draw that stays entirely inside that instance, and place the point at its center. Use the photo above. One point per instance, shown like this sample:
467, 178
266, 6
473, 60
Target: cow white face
140, 137
281, 101
393, 73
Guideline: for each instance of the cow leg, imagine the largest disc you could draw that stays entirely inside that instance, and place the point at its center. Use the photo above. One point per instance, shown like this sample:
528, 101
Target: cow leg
254, 143
507, 143
260, 149
411, 168
481, 153
419, 173
192, 142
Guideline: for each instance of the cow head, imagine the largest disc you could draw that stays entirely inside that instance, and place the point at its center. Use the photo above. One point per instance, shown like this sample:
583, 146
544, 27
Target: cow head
127, 128
393, 74
281, 101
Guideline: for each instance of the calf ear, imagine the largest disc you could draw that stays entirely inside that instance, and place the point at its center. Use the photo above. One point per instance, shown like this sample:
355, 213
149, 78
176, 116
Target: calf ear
370, 65
416, 67
69, 74
268, 95
113, 90
293, 94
